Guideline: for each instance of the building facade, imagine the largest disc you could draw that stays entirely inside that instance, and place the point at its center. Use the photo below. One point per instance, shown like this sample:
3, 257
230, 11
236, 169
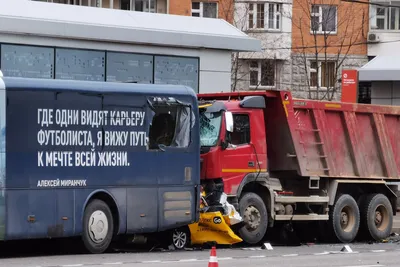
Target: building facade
71, 42
270, 23
380, 78
328, 36
305, 45
208, 9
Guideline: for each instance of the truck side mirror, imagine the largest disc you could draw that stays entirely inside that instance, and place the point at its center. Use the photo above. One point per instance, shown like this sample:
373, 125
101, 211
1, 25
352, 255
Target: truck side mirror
229, 121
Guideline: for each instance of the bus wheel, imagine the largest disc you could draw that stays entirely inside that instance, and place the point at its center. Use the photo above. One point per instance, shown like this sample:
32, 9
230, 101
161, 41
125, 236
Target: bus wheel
98, 227
377, 216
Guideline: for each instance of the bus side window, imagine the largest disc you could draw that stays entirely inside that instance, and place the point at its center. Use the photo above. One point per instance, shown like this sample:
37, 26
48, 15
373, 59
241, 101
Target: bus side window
171, 126
162, 130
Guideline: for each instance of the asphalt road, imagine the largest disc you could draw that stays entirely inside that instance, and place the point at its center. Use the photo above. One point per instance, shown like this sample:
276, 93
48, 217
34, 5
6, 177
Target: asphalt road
362, 255
48, 254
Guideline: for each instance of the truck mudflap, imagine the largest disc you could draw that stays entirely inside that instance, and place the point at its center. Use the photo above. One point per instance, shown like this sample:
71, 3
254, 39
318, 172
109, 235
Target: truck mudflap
215, 224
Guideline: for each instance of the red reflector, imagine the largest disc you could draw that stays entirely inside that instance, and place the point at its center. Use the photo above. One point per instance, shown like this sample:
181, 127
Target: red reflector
286, 193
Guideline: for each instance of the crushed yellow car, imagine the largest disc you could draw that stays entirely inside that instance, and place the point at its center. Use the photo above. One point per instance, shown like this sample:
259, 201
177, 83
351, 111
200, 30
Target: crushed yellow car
213, 227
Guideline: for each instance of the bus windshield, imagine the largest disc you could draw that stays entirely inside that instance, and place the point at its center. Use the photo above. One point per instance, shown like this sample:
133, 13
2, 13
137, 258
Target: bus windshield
210, 124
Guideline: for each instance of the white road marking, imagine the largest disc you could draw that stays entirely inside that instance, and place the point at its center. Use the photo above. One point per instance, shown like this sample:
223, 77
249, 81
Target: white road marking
257, 256
72, 265
155, 261
343, 252
113, 263
225, 258
290, 255
188, 260
376, 265
322, 253
181, 261
378, 250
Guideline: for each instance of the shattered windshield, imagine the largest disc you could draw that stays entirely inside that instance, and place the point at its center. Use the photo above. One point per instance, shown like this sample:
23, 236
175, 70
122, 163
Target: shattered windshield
210, 123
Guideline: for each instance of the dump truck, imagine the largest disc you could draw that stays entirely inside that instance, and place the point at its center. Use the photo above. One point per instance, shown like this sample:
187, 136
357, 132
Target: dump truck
281, 159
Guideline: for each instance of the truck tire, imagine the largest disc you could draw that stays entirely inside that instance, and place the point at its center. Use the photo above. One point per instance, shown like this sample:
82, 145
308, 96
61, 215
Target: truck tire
255, 215
376, 216
345, 218
98, 227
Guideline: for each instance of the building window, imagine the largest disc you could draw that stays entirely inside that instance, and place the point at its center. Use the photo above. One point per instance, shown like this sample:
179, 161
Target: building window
145, 5
264, 16
388, 18
205, 9
326, 74
262, 73
139, 5
241, 130
323, 18
92, 3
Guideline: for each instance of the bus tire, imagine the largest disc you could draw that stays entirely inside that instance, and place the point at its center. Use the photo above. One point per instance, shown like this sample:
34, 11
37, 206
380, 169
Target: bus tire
345, 218
255, 214
377, 216
98, 227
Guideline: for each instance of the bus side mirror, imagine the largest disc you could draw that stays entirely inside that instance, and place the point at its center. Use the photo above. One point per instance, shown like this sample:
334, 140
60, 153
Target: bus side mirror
229, 121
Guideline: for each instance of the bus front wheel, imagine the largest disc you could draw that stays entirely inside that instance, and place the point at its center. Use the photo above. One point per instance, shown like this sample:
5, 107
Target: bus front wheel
98, 227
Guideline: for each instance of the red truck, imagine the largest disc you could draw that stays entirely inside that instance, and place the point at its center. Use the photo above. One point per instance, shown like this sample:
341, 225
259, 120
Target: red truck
284, 159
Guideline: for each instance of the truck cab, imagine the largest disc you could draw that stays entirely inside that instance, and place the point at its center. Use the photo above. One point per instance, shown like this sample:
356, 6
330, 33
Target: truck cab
234, 153
229, 146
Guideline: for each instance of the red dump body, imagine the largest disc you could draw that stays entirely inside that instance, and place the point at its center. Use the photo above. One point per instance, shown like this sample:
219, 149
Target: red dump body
327, 139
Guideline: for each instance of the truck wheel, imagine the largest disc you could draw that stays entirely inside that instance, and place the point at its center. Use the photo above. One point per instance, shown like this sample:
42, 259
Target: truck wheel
377, 216
345, 218
98, 227
255, 216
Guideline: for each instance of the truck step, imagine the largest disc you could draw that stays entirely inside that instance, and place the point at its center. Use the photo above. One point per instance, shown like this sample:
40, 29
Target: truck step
309, 199
302, 217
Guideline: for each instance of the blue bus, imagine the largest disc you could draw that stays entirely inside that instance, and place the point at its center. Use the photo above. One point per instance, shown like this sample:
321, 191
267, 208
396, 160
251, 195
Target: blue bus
96, 159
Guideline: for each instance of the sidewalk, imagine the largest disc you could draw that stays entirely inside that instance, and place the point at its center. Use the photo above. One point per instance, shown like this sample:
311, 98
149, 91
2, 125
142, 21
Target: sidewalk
396, 223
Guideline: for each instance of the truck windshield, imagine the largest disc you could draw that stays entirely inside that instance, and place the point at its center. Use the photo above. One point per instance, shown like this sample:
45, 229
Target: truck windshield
210, 124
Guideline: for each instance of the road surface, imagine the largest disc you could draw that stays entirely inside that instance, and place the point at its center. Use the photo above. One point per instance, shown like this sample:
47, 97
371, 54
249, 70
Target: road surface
361, 255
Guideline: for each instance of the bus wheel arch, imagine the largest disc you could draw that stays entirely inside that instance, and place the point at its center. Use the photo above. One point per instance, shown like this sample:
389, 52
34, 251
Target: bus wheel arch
100, 222
111, 202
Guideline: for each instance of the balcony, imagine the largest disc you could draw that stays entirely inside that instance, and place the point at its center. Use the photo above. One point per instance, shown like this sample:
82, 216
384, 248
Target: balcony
153, 6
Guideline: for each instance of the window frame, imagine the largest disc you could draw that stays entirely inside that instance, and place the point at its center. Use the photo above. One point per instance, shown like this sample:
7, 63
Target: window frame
259, 74
228, 137
386, 17
319, 77
320, 21
177, 105
200, 10
252, 11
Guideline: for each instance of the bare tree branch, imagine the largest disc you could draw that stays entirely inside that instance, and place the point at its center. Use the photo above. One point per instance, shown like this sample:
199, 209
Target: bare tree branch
325, 45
